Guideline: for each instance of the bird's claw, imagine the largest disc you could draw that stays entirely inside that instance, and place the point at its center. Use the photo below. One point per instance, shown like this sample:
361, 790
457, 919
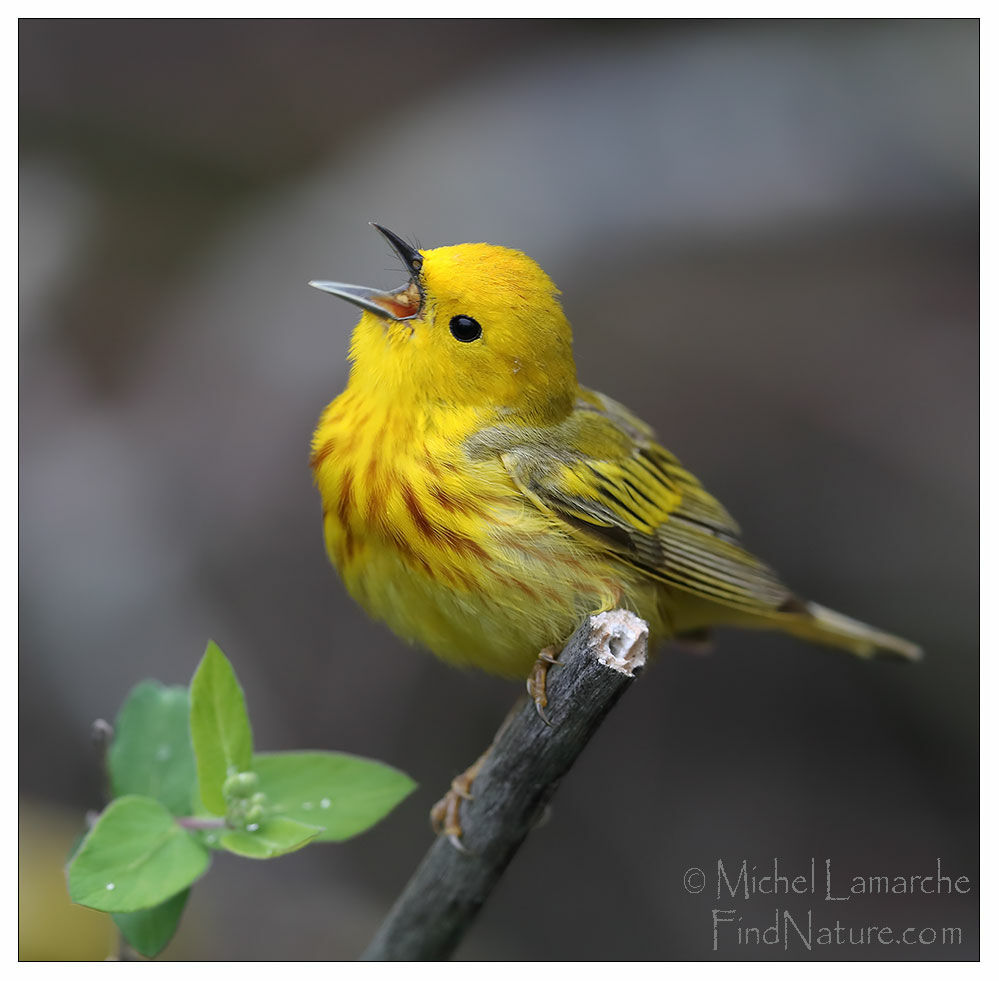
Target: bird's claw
445, 815
537, 681
542, 714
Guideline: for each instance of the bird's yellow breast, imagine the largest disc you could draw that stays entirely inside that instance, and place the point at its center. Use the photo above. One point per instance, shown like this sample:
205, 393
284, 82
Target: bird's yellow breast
444, 549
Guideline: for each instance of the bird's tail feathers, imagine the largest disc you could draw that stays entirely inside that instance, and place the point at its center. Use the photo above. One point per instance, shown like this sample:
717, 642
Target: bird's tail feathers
823, 626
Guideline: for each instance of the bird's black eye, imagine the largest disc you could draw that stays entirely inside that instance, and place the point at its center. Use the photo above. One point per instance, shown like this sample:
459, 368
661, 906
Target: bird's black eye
465, 328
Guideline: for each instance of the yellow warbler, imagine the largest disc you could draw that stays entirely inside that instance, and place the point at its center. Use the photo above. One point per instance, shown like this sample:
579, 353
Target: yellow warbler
481, 502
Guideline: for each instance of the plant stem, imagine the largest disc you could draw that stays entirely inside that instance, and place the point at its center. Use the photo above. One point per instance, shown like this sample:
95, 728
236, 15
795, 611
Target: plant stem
518, 778
202, 824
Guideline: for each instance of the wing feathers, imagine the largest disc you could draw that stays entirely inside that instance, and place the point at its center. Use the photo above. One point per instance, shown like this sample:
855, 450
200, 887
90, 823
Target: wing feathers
601, 472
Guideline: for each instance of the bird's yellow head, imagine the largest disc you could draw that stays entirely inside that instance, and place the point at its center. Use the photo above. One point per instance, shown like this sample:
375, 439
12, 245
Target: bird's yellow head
477, 327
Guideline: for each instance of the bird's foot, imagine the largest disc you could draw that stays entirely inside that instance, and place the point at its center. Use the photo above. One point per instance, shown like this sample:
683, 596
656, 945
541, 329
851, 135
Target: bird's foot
537, 680
445, 815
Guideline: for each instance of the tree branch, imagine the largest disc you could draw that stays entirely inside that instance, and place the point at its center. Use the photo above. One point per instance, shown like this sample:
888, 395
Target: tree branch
517, 779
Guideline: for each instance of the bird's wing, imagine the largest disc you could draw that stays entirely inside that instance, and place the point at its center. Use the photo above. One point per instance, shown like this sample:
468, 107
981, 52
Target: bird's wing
602, 473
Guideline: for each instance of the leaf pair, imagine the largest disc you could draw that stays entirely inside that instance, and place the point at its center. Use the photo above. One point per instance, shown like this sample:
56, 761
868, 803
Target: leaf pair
185, 781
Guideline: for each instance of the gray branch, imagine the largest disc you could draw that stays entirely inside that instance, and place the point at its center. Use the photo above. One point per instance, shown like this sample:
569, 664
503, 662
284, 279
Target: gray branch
516, 782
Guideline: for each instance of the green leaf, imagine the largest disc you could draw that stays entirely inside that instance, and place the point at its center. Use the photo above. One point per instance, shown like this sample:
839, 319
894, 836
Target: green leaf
343, 794
275, 836
210, 839
220, 728
134, 857
149, 930
151, 753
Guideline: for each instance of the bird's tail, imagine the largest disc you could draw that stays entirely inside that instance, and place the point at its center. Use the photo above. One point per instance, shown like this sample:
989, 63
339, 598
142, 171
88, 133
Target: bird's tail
823, 626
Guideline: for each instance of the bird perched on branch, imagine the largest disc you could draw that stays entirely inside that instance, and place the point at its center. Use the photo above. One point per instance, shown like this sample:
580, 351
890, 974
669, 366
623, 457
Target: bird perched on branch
481, 502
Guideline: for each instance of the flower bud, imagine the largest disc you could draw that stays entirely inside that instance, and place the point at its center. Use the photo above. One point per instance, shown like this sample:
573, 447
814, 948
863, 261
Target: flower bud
240, 785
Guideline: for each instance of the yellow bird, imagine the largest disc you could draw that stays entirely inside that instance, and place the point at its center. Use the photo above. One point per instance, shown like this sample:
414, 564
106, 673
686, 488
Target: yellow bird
482, 502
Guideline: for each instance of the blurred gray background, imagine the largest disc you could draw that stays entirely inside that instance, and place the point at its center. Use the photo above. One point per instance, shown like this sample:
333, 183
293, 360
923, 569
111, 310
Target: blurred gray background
767, 238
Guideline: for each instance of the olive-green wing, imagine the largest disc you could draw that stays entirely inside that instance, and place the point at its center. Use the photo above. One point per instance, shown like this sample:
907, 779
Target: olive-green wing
603, 474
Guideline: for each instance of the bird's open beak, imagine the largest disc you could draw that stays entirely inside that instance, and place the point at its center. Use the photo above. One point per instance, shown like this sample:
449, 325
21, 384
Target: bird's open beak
400, 304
